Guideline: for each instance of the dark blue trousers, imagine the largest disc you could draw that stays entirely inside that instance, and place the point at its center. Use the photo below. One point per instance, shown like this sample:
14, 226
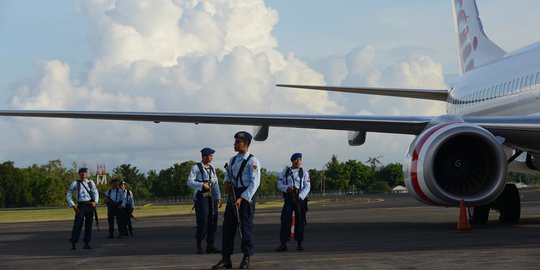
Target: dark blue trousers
114, 213
206, 221
86, 216
289, 206
127, 215
246, 211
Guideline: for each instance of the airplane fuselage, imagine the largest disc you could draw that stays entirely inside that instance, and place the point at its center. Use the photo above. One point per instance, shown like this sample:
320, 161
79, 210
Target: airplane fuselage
507, 87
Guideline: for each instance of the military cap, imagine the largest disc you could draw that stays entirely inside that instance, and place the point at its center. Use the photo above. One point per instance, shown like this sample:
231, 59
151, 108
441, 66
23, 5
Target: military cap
114, 180
296, 156
243, 135
83, 170
207, 151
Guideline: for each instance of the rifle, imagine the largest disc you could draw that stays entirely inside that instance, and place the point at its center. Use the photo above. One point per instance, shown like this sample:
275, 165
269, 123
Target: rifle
211, 195
96, 216
110, 200
232, 193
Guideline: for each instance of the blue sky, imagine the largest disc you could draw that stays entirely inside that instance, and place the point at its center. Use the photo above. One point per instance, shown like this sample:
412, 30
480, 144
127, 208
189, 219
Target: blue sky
313, 39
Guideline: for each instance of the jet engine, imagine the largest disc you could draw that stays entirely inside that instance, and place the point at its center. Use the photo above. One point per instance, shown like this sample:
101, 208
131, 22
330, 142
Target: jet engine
452, 161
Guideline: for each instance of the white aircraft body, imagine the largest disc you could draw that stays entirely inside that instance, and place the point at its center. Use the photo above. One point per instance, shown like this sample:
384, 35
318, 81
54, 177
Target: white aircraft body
493, 117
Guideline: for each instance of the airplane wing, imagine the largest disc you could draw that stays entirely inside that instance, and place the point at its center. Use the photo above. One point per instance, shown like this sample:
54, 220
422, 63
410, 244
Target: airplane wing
385, 124
430, 94
514, 128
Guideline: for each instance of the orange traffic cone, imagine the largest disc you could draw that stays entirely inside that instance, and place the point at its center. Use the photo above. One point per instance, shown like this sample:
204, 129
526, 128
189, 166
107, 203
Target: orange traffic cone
292, 225
463, 222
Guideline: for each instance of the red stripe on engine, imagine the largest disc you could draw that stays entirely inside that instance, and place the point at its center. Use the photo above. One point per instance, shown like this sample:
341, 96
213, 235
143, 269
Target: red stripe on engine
414, 162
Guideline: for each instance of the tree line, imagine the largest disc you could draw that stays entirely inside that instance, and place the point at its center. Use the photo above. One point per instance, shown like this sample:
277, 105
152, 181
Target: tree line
46, 185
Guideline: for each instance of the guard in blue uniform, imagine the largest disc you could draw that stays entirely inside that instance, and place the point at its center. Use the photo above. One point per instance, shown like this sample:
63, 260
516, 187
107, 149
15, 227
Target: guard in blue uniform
204, 181
242, 179
116, 203
128, 210
87, 198
295, 184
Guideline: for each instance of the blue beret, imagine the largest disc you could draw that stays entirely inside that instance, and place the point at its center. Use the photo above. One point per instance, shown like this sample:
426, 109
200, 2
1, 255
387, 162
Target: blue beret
243, 135
296, 156
207, 151
83, 170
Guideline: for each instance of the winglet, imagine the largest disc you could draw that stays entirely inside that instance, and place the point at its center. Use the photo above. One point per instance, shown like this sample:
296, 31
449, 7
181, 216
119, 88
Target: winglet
474, 47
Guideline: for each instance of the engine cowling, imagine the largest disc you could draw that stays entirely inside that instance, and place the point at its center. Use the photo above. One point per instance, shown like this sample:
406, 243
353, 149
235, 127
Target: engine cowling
453, 161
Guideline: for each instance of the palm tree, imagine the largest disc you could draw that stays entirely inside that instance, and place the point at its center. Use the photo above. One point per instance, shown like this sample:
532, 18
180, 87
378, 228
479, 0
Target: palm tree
374, 161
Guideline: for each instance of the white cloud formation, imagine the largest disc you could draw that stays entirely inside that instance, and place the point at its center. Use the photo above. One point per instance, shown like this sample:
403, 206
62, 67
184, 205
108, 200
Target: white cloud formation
204, 56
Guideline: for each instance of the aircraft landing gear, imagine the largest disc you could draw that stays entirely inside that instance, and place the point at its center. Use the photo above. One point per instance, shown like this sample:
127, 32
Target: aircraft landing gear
509, 204
479, 214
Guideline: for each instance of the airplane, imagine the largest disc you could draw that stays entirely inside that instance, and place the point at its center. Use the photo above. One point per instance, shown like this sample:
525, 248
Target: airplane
492, 118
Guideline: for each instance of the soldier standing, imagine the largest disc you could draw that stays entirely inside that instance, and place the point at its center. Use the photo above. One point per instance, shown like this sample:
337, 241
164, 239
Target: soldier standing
241, 182
116, 202
204, 181
295, 184
128, 211
87, 198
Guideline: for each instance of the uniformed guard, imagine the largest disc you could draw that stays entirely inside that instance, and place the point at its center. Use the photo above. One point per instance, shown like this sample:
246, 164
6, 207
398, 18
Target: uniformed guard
204, 181
87, 198
295, 184
128, 211
116, 202
241, 181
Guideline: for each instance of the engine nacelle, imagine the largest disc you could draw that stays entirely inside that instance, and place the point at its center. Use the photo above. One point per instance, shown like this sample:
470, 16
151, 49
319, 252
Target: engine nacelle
453, 161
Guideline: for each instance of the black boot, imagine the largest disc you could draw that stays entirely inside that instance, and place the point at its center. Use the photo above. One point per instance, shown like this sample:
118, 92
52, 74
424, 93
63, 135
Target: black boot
299, 246
245, 262
211, 249
131, 232
224, 263
282, 247
73, 247
111, 236
87, 246
199, 247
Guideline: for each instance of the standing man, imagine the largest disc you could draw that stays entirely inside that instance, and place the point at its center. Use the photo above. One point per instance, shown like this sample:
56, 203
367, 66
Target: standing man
116, 202
87, 198
295, 184
204, 181
128, 211
241, 182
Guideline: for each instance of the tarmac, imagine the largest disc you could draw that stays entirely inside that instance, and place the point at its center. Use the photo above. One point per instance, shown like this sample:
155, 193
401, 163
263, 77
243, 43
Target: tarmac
349, 232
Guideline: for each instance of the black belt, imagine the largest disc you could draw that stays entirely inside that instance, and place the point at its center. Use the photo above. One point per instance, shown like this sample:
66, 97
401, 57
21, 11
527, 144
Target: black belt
86, 202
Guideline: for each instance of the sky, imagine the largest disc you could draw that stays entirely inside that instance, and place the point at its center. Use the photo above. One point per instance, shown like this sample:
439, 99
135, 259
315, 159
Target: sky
225, 56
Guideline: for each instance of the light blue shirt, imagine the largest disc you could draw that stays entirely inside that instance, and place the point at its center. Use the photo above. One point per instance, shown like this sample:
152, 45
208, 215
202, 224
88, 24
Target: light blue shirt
117, 195
82, 194
250, 178
293, 180
129, 198
196, 178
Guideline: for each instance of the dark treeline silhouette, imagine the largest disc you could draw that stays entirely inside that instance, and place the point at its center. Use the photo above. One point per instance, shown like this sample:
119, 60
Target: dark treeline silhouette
46, 185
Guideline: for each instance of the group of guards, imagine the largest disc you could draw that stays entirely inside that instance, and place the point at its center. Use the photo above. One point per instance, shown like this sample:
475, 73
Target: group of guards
120, 205
242, 179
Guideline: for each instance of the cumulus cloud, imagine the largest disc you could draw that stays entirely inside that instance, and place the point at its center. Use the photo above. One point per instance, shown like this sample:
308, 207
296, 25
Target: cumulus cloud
202, 56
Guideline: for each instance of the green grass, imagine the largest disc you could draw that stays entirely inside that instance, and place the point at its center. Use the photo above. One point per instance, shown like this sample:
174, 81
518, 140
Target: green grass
149, 210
